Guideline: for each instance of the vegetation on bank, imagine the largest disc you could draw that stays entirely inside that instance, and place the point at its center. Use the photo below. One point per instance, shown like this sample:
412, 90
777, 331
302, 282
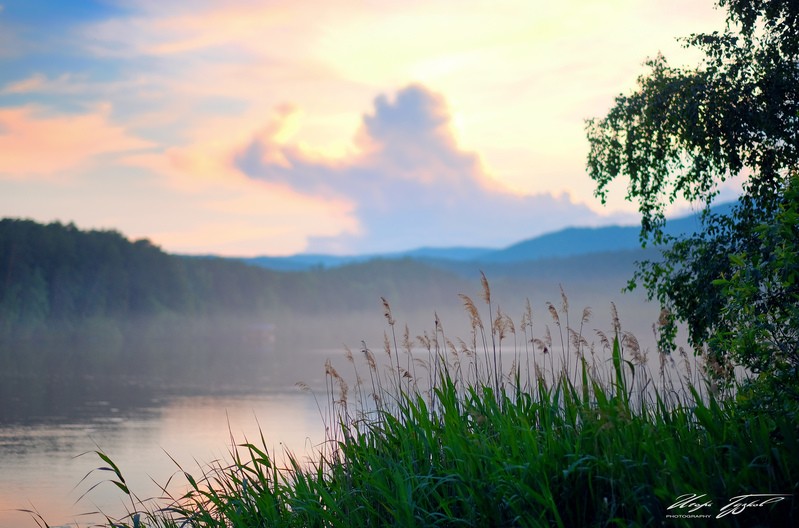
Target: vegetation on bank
683, 134
59, 274
434, 433
56, 277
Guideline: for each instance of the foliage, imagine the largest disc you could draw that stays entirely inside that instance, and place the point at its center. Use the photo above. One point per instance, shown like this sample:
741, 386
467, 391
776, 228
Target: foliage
56, 272
57, 275
682, 133
759, 322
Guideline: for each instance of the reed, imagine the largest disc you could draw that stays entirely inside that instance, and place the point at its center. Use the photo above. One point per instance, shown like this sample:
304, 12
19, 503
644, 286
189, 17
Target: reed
596, 439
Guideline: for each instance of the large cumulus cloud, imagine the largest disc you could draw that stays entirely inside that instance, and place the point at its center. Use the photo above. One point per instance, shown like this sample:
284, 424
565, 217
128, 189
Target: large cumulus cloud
410, 184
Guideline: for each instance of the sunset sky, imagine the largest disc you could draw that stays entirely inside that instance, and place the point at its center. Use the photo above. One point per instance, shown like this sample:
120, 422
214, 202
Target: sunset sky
256, 127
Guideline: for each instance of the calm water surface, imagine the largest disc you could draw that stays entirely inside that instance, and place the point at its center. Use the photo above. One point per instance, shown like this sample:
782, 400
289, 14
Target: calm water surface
47, 423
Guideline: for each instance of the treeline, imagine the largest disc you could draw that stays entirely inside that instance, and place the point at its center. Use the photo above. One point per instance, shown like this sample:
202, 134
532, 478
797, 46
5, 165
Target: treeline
58, 273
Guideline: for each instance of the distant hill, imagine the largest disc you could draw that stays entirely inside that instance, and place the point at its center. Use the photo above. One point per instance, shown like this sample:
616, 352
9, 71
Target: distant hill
58, 273
460, 254
305, 262
574, 241
569, 242
310, 261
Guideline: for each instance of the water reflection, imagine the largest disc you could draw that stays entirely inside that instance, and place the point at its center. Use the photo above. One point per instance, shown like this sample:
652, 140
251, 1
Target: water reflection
144, 410
39, 467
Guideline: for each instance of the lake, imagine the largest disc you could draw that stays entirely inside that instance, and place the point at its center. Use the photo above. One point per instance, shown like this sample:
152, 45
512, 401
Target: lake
146, 393
52, 421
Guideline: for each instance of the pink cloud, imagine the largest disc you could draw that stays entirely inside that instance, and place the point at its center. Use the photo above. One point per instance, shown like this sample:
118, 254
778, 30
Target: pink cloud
411, 184
31, 84
41, 145
164, 28
69, 84
224, 211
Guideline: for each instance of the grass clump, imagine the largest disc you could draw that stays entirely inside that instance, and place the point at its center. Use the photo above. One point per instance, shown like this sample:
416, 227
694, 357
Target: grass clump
438, 434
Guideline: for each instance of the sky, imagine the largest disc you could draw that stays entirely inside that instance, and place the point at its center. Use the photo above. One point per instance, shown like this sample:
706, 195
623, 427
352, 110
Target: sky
262, 127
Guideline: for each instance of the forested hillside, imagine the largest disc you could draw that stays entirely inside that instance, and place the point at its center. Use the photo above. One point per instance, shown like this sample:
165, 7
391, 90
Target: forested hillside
59, 273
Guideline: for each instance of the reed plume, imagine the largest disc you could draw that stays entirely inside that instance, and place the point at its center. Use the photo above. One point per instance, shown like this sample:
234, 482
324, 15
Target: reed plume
471, 309
486, 289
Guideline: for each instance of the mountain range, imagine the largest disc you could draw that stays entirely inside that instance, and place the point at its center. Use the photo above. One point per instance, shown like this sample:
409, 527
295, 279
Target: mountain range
565, 243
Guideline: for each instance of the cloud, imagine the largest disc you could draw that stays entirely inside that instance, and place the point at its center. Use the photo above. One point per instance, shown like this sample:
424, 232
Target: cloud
410, 184
217, 208
345, 172
178, 28
31, 84
37, 144
520, 78
65, 84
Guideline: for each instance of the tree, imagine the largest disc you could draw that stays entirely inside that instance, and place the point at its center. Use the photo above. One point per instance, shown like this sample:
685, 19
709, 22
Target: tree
681, 134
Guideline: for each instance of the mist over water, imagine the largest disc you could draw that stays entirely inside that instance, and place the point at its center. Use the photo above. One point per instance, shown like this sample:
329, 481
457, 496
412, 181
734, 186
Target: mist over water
152, 390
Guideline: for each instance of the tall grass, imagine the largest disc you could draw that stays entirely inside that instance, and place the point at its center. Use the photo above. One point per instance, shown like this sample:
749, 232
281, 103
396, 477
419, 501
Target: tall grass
434, 433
